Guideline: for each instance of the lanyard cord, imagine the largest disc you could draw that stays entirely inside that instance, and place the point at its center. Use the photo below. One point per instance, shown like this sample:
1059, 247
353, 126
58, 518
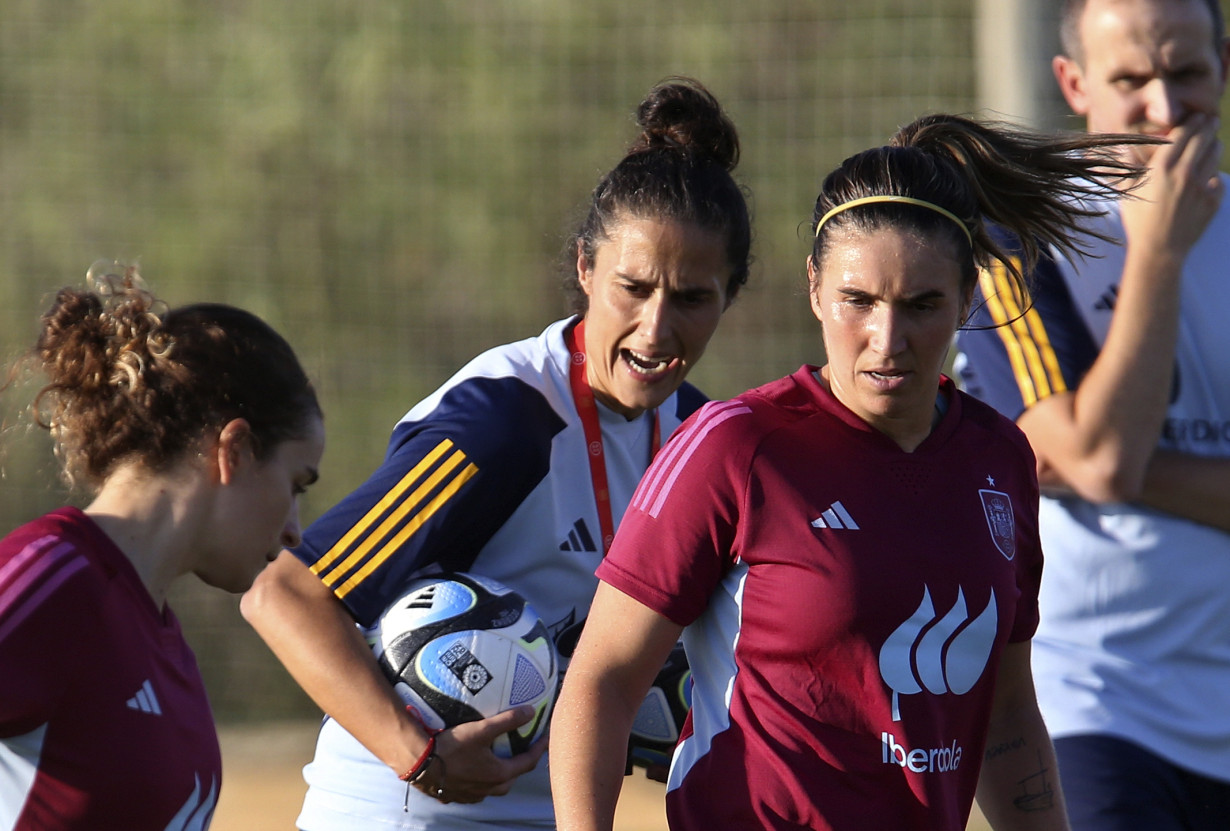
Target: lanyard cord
587, 409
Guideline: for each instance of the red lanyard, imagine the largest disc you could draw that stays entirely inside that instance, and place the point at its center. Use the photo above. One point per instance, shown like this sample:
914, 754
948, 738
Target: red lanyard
587, 409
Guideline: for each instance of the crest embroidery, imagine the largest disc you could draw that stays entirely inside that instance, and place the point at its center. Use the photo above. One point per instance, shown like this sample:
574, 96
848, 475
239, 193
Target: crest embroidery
1000, 521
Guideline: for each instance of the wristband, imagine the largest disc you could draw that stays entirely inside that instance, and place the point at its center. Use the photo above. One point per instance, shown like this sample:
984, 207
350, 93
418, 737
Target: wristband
420, 766
425, 759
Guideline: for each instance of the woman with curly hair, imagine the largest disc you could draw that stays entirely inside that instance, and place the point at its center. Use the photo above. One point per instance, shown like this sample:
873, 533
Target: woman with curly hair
193, 431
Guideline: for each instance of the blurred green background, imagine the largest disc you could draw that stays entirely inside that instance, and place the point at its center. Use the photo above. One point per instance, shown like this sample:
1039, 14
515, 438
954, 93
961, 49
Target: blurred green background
391, 184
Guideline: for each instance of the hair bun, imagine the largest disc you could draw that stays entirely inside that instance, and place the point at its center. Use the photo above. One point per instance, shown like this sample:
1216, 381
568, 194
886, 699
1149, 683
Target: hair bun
680, 113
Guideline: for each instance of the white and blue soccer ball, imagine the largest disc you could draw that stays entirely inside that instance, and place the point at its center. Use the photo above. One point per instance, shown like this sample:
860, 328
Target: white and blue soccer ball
458, 648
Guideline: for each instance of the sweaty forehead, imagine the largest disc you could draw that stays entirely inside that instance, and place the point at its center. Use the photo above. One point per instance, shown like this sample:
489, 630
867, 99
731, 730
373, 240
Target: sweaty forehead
890, 260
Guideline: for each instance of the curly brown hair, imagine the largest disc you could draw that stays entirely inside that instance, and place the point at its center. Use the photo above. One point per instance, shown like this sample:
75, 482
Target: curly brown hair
129, 379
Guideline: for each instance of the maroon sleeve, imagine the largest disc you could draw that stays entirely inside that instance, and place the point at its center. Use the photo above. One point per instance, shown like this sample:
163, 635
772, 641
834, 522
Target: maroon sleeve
1029, 543
679, 536
45, 603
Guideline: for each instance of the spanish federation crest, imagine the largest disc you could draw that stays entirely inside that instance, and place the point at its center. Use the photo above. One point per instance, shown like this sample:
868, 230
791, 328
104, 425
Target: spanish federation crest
1000, 521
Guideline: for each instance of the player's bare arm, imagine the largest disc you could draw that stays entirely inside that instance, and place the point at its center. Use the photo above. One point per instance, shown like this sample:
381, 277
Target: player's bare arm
623, 646
1193, 487
1018, 789
1099, 439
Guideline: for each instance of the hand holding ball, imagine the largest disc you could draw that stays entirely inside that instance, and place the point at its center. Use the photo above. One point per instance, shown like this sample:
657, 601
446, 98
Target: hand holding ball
459, 648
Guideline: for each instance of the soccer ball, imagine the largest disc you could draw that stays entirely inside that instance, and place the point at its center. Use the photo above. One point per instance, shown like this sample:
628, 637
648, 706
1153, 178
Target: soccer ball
458, 648
655, 731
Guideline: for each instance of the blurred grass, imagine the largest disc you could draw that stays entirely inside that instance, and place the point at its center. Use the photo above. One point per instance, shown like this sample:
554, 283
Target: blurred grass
391, 183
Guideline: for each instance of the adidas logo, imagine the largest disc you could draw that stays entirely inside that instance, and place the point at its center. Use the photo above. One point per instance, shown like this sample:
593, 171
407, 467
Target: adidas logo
145, 700
424, 599
835, 517
578, 539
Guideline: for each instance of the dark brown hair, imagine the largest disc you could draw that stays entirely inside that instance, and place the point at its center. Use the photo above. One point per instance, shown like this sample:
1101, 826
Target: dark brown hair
1031, 184
679, 168
129, 379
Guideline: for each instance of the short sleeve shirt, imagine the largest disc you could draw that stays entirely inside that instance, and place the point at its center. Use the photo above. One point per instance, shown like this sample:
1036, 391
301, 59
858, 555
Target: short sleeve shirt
104, 721
846, 604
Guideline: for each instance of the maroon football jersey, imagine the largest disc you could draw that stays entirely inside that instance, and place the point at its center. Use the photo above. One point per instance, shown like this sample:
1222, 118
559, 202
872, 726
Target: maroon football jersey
104, 721
846, 603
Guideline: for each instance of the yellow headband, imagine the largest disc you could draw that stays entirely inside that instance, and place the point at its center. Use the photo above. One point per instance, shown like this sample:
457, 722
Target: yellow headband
866, 200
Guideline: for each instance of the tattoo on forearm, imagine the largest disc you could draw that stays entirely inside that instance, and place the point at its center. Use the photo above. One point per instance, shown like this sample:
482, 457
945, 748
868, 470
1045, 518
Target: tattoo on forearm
1004, 747
1036, 793
1035, 789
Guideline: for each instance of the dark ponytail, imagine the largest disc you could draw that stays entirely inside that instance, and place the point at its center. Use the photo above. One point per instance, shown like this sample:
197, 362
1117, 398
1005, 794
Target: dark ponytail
1034, 185
679, 169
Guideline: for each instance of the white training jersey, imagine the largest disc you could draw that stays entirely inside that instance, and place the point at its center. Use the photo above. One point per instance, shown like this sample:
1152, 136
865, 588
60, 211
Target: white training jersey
490, 474
1135, 633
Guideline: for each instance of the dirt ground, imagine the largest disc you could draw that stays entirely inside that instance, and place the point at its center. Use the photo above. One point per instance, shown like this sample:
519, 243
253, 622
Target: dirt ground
263, 786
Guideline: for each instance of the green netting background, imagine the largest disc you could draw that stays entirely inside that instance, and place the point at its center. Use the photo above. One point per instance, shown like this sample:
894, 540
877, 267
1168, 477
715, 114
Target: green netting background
390, 183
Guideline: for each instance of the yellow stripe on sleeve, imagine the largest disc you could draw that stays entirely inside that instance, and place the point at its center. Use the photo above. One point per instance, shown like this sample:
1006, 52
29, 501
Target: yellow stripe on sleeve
1014, 305
387, 501
1046, 352
1033, 360
400, 501
406, 533
1000, 316
403, 510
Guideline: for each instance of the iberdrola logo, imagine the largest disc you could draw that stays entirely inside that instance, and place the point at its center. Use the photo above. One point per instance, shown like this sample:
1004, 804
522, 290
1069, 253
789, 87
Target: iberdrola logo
939, 653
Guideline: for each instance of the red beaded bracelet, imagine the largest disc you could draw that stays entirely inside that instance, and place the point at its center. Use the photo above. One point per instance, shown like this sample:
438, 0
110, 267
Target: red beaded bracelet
429, 752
